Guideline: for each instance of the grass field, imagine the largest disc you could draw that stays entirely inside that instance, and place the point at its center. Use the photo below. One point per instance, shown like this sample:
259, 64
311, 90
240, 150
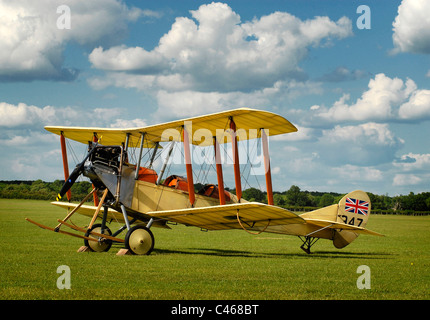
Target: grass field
189, 264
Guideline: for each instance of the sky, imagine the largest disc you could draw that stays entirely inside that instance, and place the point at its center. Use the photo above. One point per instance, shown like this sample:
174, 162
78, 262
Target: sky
354, 80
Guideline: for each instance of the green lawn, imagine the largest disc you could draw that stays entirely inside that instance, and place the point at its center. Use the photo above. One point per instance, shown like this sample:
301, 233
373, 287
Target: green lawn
189, 264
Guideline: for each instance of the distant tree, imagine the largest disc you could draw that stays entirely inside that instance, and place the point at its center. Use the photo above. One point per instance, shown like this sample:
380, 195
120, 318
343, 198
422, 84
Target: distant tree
297, 198
415, 202
279, 199
253, 194
326, 200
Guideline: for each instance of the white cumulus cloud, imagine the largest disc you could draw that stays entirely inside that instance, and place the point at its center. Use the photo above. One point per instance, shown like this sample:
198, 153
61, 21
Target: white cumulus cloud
418, 106
401, 179
359, 174
365, 144
32, 45
414, 162
386, 99
22, 114
412, 27
215, 51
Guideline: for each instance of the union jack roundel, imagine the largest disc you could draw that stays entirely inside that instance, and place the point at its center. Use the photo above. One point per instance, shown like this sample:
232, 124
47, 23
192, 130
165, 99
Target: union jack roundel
357, 206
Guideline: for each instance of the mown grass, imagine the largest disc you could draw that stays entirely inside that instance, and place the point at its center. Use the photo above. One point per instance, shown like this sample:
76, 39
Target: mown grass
189, 264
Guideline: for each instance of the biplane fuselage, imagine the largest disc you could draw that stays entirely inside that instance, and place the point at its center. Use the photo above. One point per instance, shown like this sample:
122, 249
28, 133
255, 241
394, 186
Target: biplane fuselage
140, 197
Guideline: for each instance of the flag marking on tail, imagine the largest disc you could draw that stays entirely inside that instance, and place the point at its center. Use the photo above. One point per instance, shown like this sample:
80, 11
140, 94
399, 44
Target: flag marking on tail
357, 206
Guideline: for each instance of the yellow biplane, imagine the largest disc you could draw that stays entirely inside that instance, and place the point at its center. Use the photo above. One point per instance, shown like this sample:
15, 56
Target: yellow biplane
140, 198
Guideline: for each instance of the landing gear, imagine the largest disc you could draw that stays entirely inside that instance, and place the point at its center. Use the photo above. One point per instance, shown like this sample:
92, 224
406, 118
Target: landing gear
139, 240
308, 242
102, 244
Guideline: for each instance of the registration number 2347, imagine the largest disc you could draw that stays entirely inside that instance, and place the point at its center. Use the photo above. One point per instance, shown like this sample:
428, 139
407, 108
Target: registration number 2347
354, 221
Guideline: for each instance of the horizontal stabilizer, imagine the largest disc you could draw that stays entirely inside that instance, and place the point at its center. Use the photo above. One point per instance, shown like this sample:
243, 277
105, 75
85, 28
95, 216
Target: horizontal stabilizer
342, 226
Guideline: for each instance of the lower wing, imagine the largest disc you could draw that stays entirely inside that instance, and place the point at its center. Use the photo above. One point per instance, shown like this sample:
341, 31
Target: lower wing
232, 216
89, 211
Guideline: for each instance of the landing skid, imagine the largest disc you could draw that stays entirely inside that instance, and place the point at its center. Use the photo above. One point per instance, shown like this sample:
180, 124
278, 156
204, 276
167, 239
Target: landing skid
308, 242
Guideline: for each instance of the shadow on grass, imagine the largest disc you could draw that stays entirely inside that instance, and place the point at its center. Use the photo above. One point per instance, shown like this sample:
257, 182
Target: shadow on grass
250, 254
352, 255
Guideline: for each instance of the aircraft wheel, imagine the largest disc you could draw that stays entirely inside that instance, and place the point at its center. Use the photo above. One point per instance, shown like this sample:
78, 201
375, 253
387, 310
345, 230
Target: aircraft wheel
139, 240
99, 246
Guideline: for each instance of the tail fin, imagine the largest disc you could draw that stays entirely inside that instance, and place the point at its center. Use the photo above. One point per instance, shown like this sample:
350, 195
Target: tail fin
353, 209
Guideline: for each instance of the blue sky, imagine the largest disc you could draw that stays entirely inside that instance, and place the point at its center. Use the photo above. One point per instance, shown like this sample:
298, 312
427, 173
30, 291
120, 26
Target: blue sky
360, 97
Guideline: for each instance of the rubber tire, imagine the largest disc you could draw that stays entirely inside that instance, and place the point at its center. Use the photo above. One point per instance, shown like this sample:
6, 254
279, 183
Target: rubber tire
139, 240
98, 247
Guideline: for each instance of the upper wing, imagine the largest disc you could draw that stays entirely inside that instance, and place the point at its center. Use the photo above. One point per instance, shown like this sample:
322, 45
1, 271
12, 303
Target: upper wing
209, 125
251, 214
107, 136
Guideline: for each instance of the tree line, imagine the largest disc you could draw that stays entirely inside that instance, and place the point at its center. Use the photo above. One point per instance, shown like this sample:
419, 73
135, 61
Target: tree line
41, 190
293, 199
